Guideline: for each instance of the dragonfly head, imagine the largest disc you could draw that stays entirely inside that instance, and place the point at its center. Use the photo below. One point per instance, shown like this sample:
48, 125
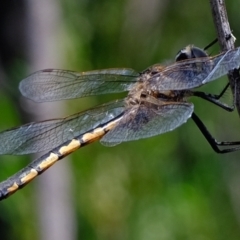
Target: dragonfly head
189, 52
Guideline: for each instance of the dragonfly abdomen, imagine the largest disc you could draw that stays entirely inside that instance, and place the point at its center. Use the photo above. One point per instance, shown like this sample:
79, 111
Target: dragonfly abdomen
39, 165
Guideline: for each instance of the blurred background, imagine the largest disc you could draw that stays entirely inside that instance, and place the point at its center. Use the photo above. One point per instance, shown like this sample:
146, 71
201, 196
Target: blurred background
172, 186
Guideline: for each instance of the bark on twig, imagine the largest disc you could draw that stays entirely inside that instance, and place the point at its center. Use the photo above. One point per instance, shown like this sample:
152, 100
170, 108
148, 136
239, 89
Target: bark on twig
226, 42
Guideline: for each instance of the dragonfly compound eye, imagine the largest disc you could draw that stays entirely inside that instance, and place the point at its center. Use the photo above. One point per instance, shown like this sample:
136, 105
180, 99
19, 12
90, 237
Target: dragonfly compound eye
190, 52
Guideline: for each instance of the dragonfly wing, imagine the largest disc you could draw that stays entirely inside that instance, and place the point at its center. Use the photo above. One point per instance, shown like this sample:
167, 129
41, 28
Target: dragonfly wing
195, 72
42, 136
143, 122
54, 84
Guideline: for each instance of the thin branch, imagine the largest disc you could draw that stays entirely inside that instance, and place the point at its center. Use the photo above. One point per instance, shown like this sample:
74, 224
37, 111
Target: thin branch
226, 42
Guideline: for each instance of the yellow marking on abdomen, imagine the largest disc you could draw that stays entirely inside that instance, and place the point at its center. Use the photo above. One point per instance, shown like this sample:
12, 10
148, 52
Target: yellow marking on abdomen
64, 150
112, 124
71, 147
13, 188
48, 162
30, 176
93, 136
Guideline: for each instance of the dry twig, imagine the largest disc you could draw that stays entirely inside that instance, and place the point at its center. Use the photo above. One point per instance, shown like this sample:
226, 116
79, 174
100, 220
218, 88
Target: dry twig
226, 42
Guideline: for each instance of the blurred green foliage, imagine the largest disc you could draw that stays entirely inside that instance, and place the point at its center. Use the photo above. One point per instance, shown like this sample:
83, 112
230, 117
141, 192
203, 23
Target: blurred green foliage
168, 187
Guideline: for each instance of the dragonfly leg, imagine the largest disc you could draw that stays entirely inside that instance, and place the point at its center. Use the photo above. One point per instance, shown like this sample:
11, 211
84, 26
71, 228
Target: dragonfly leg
212, 141
215, 98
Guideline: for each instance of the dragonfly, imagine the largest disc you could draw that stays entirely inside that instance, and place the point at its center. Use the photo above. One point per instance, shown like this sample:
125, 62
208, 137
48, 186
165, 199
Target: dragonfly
156, 103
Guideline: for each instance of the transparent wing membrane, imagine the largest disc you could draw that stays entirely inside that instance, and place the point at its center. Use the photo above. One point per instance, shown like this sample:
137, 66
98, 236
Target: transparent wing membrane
41, 136
143, 122
53, 84
194, 72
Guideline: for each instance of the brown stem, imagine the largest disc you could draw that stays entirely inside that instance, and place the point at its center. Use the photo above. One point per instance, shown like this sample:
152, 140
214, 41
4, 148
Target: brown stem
226, 42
